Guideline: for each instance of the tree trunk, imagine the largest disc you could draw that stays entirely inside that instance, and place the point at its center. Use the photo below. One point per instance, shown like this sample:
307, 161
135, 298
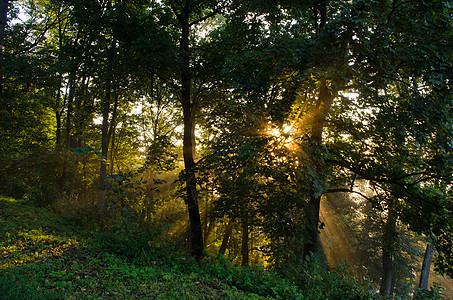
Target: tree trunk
112, 149
324, 102
68, 139
196, 234
226, 237
207, 233
3, 18
387, 266
58, 115
312, 222
106, 127
71, 96
73, 176
387, 254
426, 266
323, 105
245, 243
58, 109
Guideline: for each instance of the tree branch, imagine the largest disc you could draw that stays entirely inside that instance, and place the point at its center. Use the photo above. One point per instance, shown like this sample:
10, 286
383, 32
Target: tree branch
175, 11
205, 17
345, 190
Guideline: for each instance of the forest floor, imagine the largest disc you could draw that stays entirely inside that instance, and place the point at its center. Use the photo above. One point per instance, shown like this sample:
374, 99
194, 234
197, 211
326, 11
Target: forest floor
47, 256
339, 247
44, 255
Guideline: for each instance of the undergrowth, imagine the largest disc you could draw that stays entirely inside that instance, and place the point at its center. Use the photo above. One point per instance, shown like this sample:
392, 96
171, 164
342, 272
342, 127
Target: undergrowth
48, 256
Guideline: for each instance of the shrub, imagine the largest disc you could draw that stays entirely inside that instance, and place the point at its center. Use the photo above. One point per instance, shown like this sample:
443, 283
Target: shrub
435, 293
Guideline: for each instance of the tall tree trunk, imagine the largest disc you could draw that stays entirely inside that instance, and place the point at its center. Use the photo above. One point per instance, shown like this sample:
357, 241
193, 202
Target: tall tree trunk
323, 105
58, 109
112, 149
106, 127
3, 18
226, 237
324, 102
58, 115
387, 254
245, 243
196, 234
426, 266
72, 87
387, 267
71, 96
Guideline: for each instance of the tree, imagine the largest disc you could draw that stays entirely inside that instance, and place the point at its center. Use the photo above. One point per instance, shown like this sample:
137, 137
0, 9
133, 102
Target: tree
426, 266
341, 50
397, 138
188, 14
3, 19
25, 164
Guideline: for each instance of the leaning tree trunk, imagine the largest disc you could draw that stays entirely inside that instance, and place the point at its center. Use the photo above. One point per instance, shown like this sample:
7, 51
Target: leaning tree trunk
387, 254
426, 266
226, 237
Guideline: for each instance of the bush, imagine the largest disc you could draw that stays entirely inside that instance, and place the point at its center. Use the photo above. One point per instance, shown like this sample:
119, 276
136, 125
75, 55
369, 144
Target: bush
253, 279
435, 293
319, 282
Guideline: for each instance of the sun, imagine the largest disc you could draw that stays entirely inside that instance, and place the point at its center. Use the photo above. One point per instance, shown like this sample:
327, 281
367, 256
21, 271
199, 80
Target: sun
279, 132
284, 136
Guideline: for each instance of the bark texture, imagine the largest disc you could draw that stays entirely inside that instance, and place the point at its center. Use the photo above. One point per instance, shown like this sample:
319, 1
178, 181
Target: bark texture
387, 255
226, 237
426, 266
245, 244
196, 234
107, 125
3, 18
324, 102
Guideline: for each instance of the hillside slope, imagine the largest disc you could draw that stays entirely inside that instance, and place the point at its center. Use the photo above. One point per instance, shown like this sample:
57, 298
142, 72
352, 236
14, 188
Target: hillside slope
45, 256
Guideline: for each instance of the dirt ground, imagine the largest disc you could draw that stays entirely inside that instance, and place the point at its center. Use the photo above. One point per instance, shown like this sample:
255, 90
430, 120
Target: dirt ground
338, 246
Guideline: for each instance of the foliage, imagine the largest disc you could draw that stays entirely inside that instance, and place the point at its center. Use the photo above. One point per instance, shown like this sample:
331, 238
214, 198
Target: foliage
246, 173
318, 282
254, 279
436, 292
87, 149
161, 155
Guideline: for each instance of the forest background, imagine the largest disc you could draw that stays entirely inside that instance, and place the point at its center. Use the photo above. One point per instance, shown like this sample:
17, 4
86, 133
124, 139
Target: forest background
230, 121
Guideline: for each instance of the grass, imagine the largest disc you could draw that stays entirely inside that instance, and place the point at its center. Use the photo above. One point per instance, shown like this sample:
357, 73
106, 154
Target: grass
47, 256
